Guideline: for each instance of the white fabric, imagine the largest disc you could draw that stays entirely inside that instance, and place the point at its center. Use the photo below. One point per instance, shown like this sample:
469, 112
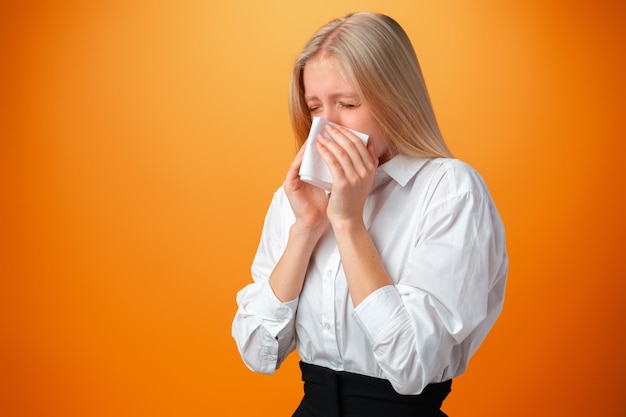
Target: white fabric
313, 168
442, 243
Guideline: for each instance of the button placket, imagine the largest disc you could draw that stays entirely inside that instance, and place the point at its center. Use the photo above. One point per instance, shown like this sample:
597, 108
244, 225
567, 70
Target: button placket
328, 307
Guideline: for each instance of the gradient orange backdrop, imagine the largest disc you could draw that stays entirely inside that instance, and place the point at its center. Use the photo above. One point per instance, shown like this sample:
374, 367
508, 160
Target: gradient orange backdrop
141, 143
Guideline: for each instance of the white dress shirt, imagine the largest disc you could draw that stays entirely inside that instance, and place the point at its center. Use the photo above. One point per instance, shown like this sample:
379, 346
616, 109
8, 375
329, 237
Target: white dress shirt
441, 241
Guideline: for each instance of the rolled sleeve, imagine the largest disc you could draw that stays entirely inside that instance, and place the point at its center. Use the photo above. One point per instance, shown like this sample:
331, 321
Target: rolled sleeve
398, 345
381, 312
271, 313
263, 327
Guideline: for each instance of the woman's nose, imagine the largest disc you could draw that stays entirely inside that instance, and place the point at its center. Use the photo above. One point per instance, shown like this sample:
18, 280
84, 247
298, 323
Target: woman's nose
330, 115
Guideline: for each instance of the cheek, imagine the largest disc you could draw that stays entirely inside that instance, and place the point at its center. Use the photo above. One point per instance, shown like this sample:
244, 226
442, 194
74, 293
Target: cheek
380, 146
364, 123
377, 139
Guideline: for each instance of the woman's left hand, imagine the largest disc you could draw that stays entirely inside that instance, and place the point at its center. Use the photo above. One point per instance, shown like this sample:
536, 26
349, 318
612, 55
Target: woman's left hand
353, 166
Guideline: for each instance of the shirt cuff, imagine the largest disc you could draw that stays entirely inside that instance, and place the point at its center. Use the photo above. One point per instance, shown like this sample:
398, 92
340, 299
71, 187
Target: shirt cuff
273, 314
381, 312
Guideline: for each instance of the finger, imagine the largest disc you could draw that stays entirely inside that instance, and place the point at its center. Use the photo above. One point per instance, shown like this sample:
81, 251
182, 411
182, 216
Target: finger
294, 167
349, 152
329, 151
301, 150
339, 162
353, 145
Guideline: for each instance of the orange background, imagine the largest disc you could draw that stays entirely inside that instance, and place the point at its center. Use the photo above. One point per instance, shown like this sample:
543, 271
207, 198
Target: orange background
141, 143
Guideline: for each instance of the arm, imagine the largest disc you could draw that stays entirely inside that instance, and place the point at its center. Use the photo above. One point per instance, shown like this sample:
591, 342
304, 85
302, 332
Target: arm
353, 167
361, 262
446, 299
309, 206
263, 327
426, 326
264, 324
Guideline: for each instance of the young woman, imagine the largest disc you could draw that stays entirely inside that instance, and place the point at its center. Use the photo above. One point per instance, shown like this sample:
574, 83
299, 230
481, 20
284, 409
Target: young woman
387, 284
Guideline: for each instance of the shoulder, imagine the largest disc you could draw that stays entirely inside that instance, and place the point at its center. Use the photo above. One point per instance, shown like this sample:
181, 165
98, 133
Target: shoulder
453, 176
280, 206
449, 185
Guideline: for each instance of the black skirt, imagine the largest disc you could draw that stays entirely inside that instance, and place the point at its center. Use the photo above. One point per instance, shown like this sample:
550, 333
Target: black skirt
329, 393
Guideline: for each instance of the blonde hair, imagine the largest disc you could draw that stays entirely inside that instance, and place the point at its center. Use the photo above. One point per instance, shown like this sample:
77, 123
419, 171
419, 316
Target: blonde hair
377, 56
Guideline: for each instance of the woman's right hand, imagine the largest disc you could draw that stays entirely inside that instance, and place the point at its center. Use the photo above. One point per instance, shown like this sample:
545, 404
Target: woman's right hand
307, 201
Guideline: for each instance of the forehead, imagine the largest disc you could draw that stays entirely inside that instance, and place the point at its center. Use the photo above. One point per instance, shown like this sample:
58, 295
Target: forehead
322, 76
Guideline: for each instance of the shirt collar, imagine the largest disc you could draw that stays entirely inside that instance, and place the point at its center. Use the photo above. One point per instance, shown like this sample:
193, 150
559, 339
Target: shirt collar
401, 168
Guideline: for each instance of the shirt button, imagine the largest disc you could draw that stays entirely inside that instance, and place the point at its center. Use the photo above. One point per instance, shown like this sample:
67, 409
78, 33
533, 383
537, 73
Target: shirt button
327, 326
329, 273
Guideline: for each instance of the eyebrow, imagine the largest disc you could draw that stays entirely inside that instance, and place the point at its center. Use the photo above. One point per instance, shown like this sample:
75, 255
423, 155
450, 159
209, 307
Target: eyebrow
335, 96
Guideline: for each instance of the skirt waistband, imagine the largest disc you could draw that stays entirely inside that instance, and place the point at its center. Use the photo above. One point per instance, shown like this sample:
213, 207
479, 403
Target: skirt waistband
332, 393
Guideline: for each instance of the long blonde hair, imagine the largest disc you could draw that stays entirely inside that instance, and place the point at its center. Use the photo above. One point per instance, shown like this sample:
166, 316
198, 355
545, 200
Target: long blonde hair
377, 56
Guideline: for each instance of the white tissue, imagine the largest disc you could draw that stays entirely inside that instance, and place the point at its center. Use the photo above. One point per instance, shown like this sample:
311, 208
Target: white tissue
313, 169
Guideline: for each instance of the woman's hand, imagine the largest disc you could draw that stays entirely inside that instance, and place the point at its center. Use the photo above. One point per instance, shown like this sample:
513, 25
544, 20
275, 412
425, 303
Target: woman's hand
353, 167
307, 201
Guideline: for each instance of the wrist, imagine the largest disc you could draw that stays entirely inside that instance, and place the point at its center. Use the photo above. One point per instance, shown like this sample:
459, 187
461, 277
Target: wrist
348, 226
307, 231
